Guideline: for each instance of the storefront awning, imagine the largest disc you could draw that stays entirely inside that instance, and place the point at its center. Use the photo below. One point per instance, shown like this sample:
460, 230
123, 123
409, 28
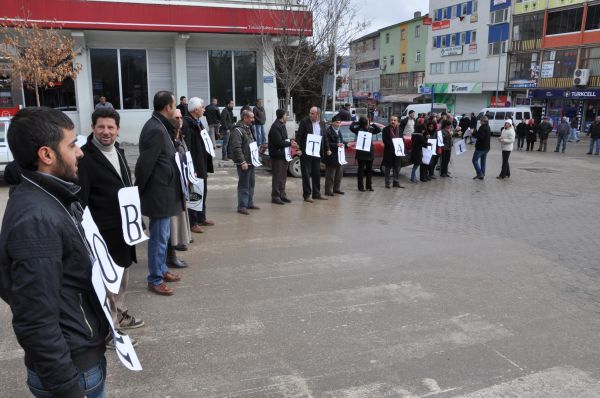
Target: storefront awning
407, 98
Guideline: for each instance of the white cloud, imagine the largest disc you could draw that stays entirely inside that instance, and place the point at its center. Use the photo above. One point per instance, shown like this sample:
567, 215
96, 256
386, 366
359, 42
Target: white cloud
383, 13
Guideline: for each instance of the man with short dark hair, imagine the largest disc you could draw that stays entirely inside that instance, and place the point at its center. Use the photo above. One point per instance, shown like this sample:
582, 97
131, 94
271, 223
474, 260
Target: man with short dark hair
227, 124
544, 130
103, 103
157, 177
183, 105
391, 163
46, 262
260, 118
241, 137
103, 171
407, 125
310, 166
344, 113
278, 142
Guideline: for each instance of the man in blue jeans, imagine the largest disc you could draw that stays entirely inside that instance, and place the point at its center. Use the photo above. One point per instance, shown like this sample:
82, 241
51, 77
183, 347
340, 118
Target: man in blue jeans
482, 147
240, 140
594, 133
157, 177
46, 263
260, 118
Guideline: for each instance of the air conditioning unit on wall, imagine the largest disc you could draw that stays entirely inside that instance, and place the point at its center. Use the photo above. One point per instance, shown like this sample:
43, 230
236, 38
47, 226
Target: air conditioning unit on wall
581, 77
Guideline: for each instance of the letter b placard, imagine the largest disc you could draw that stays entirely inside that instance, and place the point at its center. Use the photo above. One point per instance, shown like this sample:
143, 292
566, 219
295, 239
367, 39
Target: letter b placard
131, 216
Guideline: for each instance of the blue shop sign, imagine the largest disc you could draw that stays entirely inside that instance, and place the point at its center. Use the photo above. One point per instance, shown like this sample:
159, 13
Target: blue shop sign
569, 94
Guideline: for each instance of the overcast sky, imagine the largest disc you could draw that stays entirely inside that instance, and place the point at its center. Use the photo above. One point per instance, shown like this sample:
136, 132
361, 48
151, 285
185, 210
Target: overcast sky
383, 13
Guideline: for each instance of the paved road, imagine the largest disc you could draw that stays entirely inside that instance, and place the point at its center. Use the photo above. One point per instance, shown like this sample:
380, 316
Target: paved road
451, 288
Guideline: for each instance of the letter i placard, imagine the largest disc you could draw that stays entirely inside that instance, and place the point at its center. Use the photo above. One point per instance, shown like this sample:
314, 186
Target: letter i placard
131, 216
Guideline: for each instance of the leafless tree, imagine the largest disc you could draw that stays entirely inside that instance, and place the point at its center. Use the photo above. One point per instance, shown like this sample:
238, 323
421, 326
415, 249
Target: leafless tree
40, 57
296, 35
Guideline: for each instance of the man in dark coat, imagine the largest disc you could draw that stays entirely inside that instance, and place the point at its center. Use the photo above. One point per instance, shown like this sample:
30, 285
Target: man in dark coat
45, 261
260, 118
212, 118
227, 124
594, 133
334, 171
310, 166
344, 113
365, 158
158, 180
482, 147
544, 130
391, 163
241, 138
183, 105
203, 164
103, 171
278, 142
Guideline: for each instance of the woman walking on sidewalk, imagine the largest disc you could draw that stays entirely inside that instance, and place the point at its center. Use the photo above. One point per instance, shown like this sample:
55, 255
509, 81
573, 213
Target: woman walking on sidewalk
507, 139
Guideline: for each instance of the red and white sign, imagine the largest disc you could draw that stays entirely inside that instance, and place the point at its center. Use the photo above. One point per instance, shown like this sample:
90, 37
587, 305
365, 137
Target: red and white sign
502, 101
472, 48
165, 17
427, 21
438, 25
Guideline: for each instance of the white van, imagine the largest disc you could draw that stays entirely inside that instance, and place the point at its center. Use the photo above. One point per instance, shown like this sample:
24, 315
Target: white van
424, 108
497, 116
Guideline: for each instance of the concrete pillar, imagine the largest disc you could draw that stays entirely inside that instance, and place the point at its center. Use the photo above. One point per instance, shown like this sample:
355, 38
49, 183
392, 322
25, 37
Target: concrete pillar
180, 66
268, 83
83, 86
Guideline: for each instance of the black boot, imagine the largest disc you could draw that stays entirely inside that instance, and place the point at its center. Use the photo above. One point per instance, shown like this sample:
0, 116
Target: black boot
172, 260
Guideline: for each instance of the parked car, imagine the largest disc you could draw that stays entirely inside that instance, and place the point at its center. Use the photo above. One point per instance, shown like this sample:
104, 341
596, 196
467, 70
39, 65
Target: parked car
350, 138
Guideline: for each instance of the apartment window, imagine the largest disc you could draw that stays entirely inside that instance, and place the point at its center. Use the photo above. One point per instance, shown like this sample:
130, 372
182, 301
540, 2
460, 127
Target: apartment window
402, 34
403, 59
452, 40
387, 38
499, 16
418, 57
60, 96
233, 76
593, 18
435, 15
121, 76
403, 80
564, 21
436, 68
391, 60
473, 36
244, 76
523, 66
528, 26
464, 66
374, 44
221, 82
564, 61
465, 8
444, 44
463, 38
494, 48
373, 64
446, 14
418, 78
417, 31
434, 41
474, 7
591, 60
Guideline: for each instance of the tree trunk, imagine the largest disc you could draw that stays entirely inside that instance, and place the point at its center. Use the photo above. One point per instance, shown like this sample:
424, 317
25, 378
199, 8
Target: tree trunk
37, 93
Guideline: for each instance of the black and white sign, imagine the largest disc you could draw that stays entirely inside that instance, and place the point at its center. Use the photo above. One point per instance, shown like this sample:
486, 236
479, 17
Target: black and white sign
254, 154
398, 146
131, 216
208, 144
313, 145
363, 141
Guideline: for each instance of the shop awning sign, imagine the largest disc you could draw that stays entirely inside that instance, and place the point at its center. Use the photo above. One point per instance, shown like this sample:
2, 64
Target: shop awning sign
455, 50
569, 94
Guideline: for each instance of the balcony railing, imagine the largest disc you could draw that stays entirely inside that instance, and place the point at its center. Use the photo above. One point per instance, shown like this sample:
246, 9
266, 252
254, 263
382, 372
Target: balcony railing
526, 45
556, 82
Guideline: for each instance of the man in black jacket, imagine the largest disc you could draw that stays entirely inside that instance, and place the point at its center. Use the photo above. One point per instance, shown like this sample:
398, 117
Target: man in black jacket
278, 141
158, 180
482, 147
203, 164
544, 130
260, 118
227, 123
46, 263
241, 138
212, 118
103, 171
310, 166
594, 133
183, 105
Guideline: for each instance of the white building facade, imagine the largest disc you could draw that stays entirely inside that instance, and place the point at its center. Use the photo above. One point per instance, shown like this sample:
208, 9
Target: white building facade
466, 53
131, 50
365, 70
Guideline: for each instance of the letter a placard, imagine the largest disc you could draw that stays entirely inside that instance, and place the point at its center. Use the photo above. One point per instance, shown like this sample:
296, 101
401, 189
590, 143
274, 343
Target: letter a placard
131, 216
363, 141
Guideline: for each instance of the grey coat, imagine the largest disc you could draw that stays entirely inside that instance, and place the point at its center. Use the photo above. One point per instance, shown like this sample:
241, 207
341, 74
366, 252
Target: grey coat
241, 137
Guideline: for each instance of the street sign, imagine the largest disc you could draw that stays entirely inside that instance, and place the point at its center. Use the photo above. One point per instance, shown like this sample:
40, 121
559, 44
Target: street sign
423, 89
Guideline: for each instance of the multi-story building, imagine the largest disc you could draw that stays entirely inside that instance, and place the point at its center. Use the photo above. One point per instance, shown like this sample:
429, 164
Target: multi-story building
466, 53
403, 61
551, 40
365, 70
130, 50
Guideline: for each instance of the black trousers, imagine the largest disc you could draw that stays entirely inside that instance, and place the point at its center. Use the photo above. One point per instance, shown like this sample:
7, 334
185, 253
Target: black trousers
365, 167
279, 167
423, 171
520, 142
432, 164
530, 145
445, 162
310, 167
505, 172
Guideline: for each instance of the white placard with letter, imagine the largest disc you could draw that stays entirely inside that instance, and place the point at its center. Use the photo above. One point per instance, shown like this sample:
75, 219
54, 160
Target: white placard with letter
313, 145
427, 153
191, 171
196, 199
254, 154
288, 152
433, 146
460, 147
363, 141
398, 146
208, 144
440, 139
131, 215
342, 155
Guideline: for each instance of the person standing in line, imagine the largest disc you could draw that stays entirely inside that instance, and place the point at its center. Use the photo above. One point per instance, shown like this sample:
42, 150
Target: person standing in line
103, 171
344, 113
202, 160
562, 132
241, 137
574, 125
365, 158
103, 103
507, 139
310, 166
431, 133
594, 133
482, 147
46, 262
260, 118
464, 124
473, 126
544, 130
407, 125
212, 118
278, 142
521, 134
183, 105
334, 171
227, 124
416, 156
391, 163
531, 135
157, 177
447, 149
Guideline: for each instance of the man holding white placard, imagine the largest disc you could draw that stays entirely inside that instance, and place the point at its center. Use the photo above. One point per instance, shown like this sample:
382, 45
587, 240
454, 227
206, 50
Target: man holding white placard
392, 156
365, 153
333, 164
312, 152
279, 143
103, 171
46, 262
240, 141
201, 158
